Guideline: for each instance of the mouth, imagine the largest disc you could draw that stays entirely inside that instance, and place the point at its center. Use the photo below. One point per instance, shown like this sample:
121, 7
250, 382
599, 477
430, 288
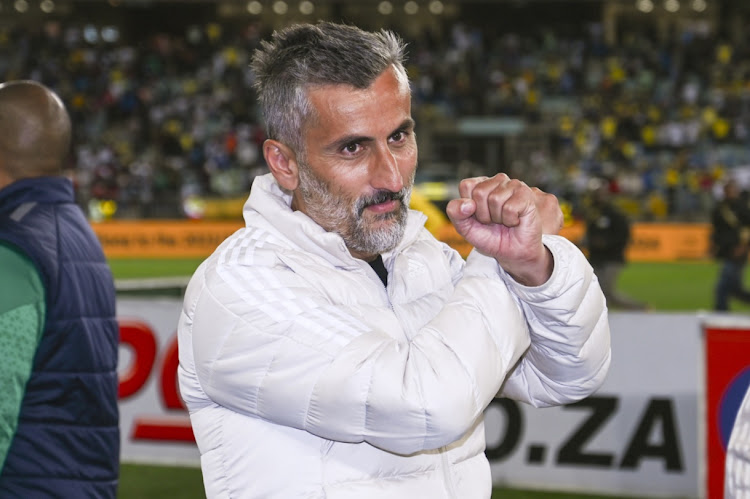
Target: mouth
384, 207
383, 202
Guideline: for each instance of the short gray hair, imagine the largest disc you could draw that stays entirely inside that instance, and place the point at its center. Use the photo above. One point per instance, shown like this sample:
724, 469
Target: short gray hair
305, 55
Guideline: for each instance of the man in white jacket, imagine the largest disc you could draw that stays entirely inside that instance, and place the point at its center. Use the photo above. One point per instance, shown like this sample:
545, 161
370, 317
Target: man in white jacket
333, 348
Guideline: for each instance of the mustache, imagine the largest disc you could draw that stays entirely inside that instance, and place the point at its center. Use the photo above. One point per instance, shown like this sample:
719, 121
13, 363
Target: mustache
381, 196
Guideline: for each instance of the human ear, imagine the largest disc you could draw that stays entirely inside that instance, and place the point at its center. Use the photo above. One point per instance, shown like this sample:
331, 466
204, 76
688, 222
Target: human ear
282, 162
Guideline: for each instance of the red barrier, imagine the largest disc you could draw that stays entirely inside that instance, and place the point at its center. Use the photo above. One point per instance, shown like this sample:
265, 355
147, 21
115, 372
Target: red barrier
727, 361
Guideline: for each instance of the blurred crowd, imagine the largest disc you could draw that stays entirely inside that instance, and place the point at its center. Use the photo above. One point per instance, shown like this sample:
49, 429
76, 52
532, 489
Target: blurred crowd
664, 122
156, 122
169, 117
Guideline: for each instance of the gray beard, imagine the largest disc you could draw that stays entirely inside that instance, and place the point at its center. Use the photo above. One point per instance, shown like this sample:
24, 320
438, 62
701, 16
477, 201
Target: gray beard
343, 216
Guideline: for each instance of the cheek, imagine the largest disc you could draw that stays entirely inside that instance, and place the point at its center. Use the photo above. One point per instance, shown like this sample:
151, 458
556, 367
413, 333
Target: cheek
348, 187
407, 161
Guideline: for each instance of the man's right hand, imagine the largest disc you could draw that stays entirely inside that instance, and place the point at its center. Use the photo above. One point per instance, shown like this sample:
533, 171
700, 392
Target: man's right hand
504, 218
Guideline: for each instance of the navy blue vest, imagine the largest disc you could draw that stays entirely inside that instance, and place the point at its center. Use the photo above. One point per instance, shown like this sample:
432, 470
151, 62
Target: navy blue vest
68, 442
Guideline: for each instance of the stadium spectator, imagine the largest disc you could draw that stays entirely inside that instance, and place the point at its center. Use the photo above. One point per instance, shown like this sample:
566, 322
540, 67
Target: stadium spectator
607, 237
333, 346
59, 434
730, 242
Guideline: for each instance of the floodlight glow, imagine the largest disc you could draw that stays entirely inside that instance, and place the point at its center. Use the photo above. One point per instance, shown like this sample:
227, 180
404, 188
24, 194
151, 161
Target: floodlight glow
671, 5
280, 7
110, 34
21, 5
90, 34
47, 6
411, 7
306, 7
699, 5
436, 7
385, 8
254, 7
644, 5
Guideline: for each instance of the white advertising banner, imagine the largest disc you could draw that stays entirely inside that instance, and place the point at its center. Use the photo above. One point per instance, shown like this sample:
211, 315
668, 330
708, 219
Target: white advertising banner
638, 435
154, 425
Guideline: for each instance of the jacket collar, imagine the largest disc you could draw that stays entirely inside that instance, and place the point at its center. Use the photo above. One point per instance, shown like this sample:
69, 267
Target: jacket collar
48, 190
273, 204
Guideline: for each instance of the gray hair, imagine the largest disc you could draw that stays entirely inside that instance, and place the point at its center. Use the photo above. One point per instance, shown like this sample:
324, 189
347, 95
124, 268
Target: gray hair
303, 56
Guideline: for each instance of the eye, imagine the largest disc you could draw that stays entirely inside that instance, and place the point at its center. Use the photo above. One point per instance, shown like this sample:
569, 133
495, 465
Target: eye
352, 148
399, 136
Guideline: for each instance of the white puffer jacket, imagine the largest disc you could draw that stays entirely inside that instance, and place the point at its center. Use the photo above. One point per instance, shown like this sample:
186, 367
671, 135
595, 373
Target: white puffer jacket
305, 377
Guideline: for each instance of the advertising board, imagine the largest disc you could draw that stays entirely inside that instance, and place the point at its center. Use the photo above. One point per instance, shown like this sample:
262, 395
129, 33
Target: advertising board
638, 435
191, 238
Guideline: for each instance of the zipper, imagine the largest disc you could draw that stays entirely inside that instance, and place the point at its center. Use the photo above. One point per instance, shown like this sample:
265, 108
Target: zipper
444, 462
375, 278
447, 477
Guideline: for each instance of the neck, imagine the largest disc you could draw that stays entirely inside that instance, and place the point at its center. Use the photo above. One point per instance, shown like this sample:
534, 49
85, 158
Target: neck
5, 180
368, 257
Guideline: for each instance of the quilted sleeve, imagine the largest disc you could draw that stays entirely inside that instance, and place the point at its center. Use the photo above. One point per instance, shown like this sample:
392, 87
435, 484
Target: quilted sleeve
263, 343
569, 354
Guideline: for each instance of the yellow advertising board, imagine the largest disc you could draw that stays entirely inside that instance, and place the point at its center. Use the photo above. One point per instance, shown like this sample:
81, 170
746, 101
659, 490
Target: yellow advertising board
669, 242
652, 242
162, 238
190, 238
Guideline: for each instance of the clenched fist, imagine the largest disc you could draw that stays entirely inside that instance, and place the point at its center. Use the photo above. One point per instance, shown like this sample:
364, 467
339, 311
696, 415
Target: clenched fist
504, 218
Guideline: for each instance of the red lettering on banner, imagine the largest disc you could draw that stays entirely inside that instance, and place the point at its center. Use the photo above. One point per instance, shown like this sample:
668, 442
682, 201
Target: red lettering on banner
169, 391
140, 338
163, 429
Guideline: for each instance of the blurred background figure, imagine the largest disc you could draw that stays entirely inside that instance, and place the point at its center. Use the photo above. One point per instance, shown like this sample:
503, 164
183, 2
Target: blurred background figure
607, 237
59, 419
730, 238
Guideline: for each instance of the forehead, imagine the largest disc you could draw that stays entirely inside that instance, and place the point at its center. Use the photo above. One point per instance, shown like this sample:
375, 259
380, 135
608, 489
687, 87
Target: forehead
347, 108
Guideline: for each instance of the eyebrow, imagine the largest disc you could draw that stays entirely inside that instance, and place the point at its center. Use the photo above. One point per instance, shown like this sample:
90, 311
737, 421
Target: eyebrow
408, 123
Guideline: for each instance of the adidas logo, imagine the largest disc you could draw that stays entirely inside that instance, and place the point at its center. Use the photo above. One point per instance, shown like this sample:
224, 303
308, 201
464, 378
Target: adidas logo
416, 268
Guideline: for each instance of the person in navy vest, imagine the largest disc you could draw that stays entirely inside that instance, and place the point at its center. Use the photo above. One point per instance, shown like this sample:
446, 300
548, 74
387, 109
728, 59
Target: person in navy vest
59, 420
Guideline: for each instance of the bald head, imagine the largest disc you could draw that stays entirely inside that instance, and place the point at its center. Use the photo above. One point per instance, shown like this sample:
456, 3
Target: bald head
35, 130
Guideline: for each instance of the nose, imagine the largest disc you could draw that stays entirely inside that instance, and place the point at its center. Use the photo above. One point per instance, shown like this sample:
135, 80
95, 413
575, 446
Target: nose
385, 172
